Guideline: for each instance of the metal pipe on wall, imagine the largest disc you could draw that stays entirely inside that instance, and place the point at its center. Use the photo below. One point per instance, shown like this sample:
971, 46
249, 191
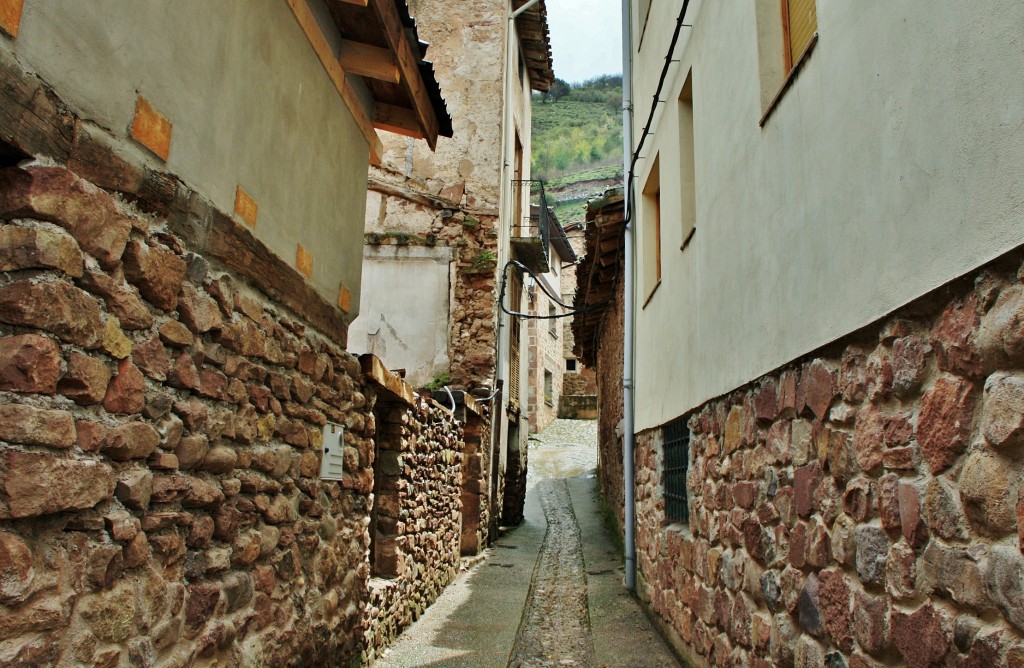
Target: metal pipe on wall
629, 492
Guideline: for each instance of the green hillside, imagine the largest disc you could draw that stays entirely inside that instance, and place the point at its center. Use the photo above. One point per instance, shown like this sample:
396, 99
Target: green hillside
577, 142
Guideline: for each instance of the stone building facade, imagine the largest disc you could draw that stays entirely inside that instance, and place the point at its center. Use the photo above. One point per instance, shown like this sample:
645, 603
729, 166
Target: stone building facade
826, 352
173, 376
546, 331
860, 506
444, 219
578, 398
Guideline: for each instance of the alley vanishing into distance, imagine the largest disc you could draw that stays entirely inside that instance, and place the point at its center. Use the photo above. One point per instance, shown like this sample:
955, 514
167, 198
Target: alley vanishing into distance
549, 592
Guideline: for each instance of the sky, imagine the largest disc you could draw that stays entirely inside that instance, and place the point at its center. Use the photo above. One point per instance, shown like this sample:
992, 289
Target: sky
585, 38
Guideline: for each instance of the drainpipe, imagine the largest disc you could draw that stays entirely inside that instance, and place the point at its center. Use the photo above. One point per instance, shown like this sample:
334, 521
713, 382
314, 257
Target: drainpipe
522, 9
629, 492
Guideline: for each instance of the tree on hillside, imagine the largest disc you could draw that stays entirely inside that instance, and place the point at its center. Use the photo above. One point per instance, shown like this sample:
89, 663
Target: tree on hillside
558, 90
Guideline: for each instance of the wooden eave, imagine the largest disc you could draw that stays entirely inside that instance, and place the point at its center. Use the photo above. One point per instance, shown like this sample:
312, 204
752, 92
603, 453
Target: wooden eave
535, 41
599, 272
380, 45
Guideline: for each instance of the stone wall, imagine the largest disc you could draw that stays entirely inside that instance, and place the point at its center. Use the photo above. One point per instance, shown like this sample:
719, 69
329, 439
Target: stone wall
160, 431
609, 395
862, 506
417, 517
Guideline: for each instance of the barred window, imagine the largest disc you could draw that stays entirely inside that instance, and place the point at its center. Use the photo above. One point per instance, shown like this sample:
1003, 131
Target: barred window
676, 436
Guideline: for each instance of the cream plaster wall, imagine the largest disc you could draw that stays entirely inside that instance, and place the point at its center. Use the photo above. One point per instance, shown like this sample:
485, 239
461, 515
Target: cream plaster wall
250, 104
416, 336
893, 164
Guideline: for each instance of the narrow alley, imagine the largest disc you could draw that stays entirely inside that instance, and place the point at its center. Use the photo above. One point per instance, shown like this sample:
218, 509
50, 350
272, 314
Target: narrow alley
549, 592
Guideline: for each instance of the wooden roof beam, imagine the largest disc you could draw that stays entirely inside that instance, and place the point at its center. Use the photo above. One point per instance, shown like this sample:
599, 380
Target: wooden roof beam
336, 73
369, 61
395, 35
396, 119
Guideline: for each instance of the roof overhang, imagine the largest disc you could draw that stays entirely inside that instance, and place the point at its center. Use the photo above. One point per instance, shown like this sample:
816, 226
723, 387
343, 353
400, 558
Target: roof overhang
532, 26
375, 42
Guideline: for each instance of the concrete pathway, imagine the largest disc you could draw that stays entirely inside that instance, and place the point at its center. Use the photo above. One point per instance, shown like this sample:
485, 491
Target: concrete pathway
542, 596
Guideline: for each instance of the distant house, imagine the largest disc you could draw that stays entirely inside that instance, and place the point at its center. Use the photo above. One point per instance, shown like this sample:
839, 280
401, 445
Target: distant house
443, 221
546, 330
822, 337
186, 445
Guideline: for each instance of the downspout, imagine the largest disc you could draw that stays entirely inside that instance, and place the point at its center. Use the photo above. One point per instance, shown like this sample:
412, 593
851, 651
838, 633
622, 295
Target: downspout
629, 492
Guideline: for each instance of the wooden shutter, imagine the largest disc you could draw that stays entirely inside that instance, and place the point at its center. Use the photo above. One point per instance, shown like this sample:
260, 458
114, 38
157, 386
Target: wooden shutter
802, 19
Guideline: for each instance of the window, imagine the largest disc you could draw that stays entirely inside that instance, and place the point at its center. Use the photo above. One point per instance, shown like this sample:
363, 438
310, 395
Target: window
687, 175
570, 365
552, 320
651, 231
549, 382
787, 31
799, 23
676, 435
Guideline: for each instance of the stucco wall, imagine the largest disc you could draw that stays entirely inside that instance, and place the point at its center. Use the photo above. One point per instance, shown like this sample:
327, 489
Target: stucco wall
248, 100
892, 165
415, 337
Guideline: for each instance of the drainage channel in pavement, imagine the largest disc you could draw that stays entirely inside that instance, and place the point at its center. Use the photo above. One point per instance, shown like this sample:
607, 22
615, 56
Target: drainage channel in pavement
555, 630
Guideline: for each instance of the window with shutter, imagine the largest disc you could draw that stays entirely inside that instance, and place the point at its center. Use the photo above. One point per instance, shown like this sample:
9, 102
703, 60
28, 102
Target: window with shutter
800, 22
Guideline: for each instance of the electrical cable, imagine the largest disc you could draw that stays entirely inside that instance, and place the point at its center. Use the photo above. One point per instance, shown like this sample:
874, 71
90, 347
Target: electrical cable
529, 316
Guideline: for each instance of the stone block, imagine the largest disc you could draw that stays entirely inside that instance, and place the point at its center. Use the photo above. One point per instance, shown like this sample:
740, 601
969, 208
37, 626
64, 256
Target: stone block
134, 488
835, 599
38, 247
1000, 338
26, 425
120, 298
53, 306
942, 510
17, 572
888, 501
868, 438
953, 338
156, 271
86, 380
986, 493
38, 484
921, 637
871, 622
911, 522
909, 364
126, 392
29, 363
197, 310
852, 374
944, 422
1004, 578
56, 195
1002, 416
951, 571
900, 571
805, 483
872, 551
818, 386
809, 608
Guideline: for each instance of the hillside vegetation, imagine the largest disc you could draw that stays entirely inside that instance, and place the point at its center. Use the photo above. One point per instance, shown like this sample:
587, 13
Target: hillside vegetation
577, 142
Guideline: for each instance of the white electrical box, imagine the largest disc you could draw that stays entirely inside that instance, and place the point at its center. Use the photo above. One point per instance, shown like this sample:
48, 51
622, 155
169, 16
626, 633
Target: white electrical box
334, 452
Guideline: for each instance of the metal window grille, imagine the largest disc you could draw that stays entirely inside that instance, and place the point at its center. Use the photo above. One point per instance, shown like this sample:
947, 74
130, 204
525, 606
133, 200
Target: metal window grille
677, 461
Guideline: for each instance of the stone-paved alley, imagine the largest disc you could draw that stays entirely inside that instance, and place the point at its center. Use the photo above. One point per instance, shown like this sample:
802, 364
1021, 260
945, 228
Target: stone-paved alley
550, 592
